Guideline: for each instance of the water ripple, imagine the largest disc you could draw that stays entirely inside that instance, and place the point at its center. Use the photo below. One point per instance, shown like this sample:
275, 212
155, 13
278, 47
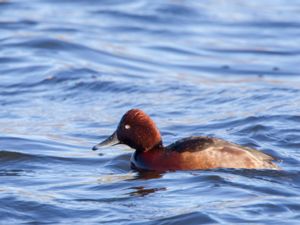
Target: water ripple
69, 71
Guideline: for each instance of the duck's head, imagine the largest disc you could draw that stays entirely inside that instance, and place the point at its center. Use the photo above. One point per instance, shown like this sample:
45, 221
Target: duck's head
137, 130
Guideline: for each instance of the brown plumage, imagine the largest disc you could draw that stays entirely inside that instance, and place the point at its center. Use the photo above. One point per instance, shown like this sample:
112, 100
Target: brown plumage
137, 130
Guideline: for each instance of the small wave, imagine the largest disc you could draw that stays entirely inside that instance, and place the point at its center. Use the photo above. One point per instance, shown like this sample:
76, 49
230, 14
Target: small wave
193, 217
16, 156
17, 24
11, 156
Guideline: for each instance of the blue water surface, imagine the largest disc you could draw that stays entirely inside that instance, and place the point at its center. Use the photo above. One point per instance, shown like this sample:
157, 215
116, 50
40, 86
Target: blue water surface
70, 69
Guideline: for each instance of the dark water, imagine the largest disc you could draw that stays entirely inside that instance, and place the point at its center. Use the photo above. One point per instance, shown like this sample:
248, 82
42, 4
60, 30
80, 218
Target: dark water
70, 69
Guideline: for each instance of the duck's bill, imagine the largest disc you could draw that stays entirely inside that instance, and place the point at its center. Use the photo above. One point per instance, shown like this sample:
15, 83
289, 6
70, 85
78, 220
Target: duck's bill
110, 141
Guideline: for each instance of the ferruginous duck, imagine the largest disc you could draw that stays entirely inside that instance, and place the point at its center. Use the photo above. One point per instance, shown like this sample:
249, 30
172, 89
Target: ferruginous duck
137, 130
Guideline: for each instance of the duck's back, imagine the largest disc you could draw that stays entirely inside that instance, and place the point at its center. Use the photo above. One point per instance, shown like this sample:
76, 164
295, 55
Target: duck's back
207, 152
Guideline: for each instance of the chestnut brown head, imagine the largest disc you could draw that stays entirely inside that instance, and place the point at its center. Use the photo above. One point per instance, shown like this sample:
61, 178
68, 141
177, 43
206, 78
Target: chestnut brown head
137, 130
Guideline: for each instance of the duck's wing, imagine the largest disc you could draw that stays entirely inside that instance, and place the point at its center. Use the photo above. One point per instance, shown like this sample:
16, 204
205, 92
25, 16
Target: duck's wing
192, 144
256, 153
221, 153
248, 157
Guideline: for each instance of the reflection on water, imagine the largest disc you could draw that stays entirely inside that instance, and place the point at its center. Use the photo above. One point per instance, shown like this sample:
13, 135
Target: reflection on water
142, 191
70, 69
147, 175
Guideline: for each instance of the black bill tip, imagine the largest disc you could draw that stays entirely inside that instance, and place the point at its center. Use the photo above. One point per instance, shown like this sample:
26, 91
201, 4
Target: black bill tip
110, 141
95, 148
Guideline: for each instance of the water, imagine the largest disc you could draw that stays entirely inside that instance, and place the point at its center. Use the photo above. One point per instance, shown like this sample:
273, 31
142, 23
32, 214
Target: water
70, 69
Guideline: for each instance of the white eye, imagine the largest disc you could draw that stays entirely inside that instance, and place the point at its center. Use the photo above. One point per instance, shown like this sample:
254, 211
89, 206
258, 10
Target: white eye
127, 126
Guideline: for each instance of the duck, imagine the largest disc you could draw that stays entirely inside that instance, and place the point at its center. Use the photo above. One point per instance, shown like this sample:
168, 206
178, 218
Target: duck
138, 131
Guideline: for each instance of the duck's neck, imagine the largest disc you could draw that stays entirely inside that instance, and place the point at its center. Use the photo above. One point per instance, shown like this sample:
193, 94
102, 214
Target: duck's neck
158, 147
155, 148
